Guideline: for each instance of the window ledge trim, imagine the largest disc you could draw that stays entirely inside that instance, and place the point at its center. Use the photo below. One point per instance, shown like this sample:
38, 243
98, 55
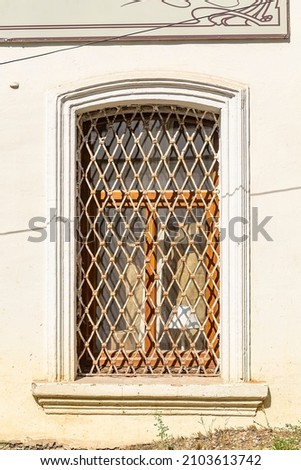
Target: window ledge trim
238, 399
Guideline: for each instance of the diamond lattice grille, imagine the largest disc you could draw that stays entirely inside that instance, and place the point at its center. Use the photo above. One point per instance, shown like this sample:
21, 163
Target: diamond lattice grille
148, 250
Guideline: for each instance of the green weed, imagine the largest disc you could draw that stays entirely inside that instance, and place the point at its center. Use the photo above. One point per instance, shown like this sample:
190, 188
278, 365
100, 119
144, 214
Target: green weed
166, 441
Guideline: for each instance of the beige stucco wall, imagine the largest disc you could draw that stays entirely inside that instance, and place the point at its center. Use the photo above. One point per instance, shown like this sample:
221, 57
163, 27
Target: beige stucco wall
272, 70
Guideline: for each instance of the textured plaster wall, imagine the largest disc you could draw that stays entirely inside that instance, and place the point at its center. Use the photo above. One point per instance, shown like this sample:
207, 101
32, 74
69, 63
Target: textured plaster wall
272, 70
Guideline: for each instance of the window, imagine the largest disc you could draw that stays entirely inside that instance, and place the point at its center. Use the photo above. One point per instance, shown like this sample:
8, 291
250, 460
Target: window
148, 265
178, 346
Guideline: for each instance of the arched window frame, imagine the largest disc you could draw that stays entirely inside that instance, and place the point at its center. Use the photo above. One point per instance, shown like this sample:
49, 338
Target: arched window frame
231, 101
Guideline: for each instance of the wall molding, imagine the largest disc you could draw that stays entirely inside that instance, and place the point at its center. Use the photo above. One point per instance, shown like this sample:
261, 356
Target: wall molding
231, 101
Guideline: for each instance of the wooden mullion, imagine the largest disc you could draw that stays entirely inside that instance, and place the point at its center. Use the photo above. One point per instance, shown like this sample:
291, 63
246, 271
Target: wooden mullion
150, 281
160, 199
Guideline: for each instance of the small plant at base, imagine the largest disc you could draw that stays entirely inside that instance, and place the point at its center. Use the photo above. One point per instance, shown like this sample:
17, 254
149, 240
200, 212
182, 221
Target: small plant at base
296, 428
285, 444
162, 434
208, 431
162, 428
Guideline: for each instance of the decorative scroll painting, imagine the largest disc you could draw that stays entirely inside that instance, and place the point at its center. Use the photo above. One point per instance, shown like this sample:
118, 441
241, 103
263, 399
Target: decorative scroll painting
123, 20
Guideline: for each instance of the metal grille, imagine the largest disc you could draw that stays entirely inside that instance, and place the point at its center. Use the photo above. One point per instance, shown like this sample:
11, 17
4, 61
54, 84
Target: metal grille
148, 241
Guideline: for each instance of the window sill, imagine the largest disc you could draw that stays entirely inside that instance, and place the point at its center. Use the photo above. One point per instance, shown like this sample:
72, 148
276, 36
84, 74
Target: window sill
142, 396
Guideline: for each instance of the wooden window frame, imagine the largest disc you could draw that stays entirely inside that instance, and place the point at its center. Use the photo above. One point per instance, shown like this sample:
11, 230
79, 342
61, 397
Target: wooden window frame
192, 198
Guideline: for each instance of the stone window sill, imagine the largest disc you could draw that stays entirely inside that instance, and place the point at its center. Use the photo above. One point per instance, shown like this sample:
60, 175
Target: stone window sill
139, 396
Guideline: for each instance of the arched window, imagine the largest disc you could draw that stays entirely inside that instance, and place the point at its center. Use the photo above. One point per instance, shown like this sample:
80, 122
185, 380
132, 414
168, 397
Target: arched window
148, 255
152, 171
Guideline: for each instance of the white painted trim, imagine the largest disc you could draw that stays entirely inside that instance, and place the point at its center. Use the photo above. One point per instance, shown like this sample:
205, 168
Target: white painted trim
231, 100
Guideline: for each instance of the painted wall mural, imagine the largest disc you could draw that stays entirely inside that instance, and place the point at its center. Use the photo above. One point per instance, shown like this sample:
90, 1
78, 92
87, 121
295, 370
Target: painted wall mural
66, 20
227, 13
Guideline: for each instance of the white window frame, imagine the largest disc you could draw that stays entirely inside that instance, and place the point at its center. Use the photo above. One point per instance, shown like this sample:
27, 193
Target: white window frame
230, 394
